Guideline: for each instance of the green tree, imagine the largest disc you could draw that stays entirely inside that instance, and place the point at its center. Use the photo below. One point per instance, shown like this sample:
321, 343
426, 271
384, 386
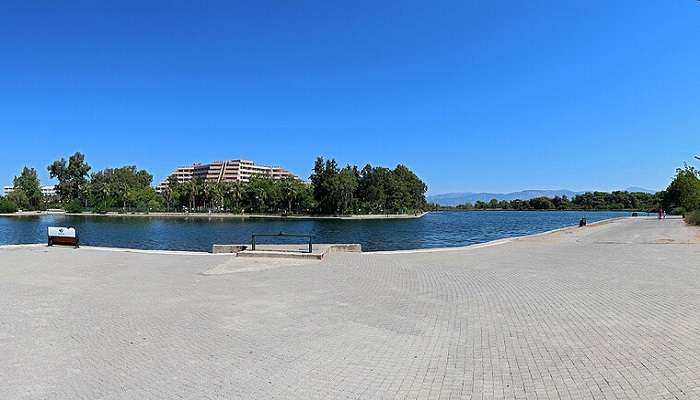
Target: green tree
208, 192
324, 180
233, 196
71, 175
262, 195
518, 204
126, 187
305, 201
684, 190
384, 190
412, 189
343, 189
291, 190
168, 196
541, 203
193, 189
102, 192
373, 189
218, 193
561, 203
19, 198
7, 206
28, 190
465, 206
174, 195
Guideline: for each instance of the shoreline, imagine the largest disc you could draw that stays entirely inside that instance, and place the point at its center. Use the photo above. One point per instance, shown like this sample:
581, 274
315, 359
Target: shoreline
490, 243
221, 215
629, 210
498, 242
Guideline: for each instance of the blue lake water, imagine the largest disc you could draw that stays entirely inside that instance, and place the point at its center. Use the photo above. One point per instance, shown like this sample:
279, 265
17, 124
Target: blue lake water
438, 229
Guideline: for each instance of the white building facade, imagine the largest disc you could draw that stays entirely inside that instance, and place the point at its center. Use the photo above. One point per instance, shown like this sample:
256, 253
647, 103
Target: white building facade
45, 190
225, 171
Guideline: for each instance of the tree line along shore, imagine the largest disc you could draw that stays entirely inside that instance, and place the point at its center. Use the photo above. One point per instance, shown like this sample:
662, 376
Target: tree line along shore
332, 191
681, 197
617, 200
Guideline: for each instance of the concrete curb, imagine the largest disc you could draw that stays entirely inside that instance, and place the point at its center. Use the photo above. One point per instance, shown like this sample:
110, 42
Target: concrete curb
114, 249
279, 251
21, 246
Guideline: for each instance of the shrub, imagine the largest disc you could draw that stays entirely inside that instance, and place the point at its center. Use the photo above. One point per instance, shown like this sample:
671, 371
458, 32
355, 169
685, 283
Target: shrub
6, 206
74, 207
693, 218
19, 199
684, 190
100, 209
141, 207
678, 211
155, 205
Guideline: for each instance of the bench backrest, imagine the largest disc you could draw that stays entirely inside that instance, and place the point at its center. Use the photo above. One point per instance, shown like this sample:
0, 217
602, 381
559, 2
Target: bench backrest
62, 235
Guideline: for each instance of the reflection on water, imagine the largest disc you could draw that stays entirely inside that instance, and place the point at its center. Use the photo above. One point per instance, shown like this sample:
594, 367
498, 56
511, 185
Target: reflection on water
439, 229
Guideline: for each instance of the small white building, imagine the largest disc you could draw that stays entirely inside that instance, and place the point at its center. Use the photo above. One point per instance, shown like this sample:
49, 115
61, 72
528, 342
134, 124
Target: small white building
45, 190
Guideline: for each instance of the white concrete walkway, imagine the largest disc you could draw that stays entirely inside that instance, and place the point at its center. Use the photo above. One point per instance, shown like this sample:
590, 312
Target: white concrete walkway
610, 311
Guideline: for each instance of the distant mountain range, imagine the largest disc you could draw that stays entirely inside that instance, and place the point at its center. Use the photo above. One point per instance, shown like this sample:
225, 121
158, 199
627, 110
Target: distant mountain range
640, 189
453, 199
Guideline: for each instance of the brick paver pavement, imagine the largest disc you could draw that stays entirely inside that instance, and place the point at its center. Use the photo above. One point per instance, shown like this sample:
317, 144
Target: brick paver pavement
606, 312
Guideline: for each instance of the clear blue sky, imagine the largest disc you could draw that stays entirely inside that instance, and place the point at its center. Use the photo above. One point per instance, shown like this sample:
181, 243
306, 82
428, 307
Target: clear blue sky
474, 96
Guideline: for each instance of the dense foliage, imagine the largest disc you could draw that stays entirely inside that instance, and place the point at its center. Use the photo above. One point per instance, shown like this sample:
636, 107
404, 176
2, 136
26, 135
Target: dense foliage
125, 188
332, 191
586, 201
73, 206
681, 197
72, 176
370, 191
259, 195
27, 191
7, 206
683, 194
693, 217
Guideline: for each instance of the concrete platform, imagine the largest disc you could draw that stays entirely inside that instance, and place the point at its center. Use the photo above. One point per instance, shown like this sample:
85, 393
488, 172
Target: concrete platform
297, 251
610, 311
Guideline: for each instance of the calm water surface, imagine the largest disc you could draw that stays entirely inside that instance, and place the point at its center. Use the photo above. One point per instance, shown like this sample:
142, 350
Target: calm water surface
439, 229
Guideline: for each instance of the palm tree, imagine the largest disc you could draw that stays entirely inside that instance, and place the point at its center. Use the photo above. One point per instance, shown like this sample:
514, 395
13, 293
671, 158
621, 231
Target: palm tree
192, 187
261, 197
104, 192
220, 190
167, 196
234, 192
124, 194
290, 192
207, 190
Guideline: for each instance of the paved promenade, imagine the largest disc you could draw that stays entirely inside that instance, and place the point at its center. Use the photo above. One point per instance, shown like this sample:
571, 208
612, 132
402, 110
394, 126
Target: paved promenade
611, 311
